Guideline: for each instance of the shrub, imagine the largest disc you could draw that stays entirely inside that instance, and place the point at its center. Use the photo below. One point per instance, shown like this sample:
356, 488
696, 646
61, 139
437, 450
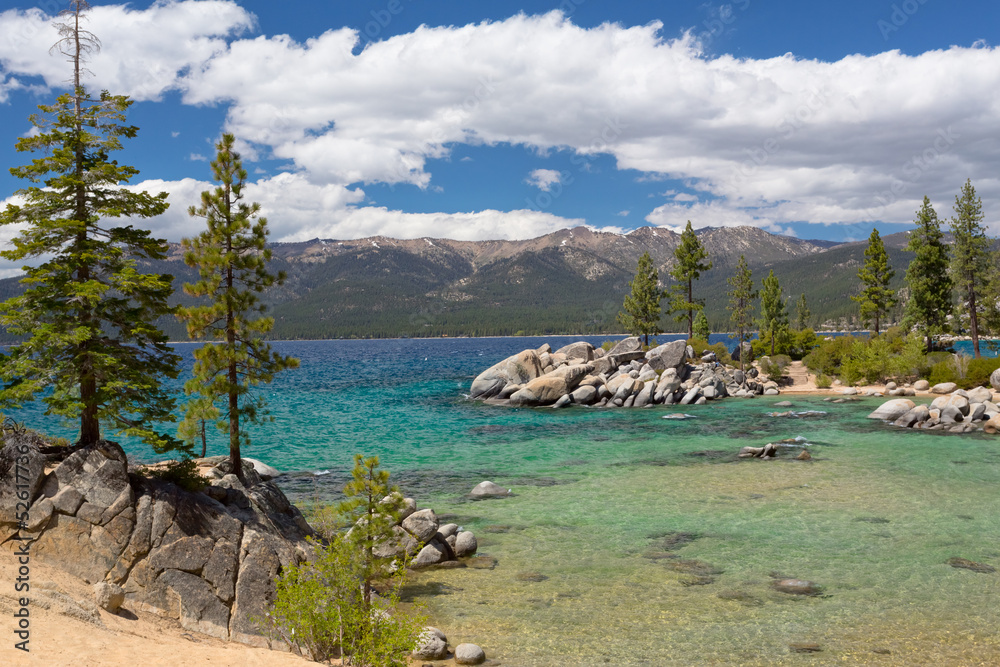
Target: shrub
966, 373
881, 358
979, 371
774, 367
828, 356
320, 611
824, 381
701, 347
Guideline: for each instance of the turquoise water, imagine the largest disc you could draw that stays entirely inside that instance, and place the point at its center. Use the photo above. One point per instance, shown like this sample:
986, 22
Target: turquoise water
634, 540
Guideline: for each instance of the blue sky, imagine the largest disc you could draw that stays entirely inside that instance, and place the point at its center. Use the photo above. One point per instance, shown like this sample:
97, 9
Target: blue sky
413, 118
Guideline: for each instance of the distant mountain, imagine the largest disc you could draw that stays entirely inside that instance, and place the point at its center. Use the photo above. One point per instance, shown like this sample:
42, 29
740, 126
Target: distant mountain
570, 281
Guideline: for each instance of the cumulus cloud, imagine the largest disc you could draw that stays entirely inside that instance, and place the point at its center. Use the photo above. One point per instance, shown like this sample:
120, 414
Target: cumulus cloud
543, 179
763, 141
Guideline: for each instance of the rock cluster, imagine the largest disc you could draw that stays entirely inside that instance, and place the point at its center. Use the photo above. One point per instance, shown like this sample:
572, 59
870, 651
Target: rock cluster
958, 411
208, 559
433, 645
625, 376
420, 536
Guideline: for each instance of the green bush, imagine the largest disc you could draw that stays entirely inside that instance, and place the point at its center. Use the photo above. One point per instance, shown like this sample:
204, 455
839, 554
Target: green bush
701, 347
966, 373
943, 371
882, 358
824, 381
829, 354
774, 367
320, 611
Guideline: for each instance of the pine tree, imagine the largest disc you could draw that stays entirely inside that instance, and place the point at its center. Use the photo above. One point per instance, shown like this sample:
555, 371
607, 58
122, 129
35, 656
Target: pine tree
876, 298
927, 275
802, 314
701, 328
741, 298
970, 255
87, 310
231, 256
640, 314
692, 261
773, 314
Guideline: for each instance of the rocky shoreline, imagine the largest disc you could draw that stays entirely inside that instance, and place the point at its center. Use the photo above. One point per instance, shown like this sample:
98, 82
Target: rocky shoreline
624, 376
954, 410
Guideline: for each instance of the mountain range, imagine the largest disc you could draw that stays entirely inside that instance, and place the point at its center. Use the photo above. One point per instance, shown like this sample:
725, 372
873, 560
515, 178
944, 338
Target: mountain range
571, 281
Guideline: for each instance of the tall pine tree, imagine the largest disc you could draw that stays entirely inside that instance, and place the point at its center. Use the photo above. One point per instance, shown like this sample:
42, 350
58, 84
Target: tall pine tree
741, 298
692, 261
640, 314
876, 298
773, 314
231, 256
802, 314
970, 254
927, 275
87, 310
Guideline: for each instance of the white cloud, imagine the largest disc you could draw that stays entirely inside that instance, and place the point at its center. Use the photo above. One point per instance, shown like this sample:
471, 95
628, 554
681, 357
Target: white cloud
197, 157
624, 214
543, 179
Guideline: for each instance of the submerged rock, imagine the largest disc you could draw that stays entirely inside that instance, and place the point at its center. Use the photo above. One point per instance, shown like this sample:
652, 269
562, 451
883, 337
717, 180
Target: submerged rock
488, 489
797, 587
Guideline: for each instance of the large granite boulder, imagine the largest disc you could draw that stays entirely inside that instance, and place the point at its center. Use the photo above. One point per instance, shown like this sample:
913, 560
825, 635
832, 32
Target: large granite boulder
549, 388
944, 388
423, 525
626, 346
208, 559
892, 410
995, 379
980, 395
668, 355
961, 403
22, 467
518, 369
581, 351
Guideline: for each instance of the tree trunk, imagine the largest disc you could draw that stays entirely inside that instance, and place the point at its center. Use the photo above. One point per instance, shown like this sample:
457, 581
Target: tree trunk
690, 311
973, 319
204, 440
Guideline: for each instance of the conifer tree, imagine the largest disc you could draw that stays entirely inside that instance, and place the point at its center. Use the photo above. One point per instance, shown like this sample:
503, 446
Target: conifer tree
231, 256
640, 314
692, 261
876, 298
701, 327
87, 311
372, 508
802, 313
970, 255
773, 313
927, 275
741, 298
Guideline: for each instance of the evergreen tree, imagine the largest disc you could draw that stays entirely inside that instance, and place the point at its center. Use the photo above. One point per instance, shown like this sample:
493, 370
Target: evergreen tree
640, 314
701, 328
372, 508
87, 310
970, 255
773, 314
876, 298
927, 275
802, 314
741, 298
692, 261
231, 256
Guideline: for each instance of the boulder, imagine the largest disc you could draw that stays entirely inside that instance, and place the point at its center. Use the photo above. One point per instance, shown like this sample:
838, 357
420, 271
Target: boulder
517, 369
921, 385
469, 654
109, 597
917, 414
892, 410
944, 388
629, 345
890, 386
645, 396
976, 411
581, 351
423, 524
431, 645
584, 395
979, 395
549, 388
265, 471
668, 355
951, 414
691, 396
992, 425
961, 403
465, 544
995, 379
797, 587
564, 401
433, 553
489, 490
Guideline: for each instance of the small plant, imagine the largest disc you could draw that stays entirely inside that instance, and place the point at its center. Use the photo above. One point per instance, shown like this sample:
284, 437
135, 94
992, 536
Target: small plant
774, 367
823, 381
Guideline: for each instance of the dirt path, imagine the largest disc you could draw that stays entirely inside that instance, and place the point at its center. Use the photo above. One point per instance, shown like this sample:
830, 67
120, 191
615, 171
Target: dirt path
802, 380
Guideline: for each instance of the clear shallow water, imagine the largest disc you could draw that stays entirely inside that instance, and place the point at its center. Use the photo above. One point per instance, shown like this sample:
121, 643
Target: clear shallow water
583, 576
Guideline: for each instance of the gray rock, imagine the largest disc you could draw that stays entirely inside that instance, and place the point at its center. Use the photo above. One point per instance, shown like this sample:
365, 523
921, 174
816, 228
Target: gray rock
447, 530
422, 524
921, 385
584, 395
961, 403
433, 553
995, 379
691, 396
645, 396
976, 411
265, 471
892, 410
944, 388
917, 414
31, 472
465, 544
627, 346
581, 351
890, 386
469, 654
517, 369
771, 391
109, 597
709, 392
431, 645
668, 355
850, 391
489, 490
951, 414
564, 401
979, 395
